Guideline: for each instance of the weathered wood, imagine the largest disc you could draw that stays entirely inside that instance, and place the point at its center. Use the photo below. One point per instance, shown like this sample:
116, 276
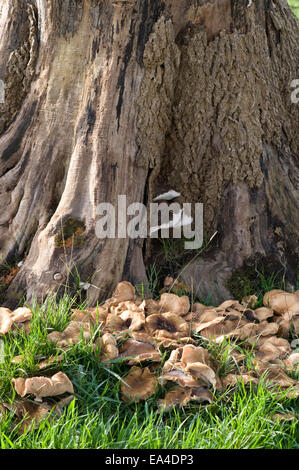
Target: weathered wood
132, 97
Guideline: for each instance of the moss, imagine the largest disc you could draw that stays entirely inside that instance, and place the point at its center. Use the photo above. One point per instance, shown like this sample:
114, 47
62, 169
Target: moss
256, 276
71, 234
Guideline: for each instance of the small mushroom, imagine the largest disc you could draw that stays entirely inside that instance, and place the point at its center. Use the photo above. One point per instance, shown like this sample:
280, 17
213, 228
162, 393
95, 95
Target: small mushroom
21, 315
140, 349
275, 377
127, 321
151, 306
249, 301
124, 291
44, 386
174, 286
30, 414
230, 304
231, 380
93, 315
6, 320
192, 362
124, 306
273, 348
191, 354
169, 325
135, 319
281, 301
139, 384
108, 347
263, 313
175, 304
180, 376
291, 362
71, 335
219, 327
203, 372
179, 396
172, 343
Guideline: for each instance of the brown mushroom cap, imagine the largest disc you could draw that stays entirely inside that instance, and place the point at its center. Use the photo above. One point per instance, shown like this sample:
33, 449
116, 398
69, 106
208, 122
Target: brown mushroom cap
124, 291
141, 350
273, 348
251, 332
189, 361
71, 335
30, 414
108, 347
93, 315
281, 301
174, 303
171, 324
140, 384
277, 378
135, 319
220, 327
263, 313
127, 321
6, 320
180, 376
292, 362
203, 372
230, 304
190, 354
231, 380
124, 306
44, 386
171, 343
151, 306
21, 315
179, 396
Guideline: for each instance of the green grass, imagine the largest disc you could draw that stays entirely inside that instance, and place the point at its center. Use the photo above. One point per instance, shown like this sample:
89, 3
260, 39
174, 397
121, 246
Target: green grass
295, 6
98, 418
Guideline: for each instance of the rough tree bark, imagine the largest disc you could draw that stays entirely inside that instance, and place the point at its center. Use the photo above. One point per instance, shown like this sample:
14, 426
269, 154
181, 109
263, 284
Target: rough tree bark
109, 97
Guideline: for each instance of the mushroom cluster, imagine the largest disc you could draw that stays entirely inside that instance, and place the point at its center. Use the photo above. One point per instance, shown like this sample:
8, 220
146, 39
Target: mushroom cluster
168, 344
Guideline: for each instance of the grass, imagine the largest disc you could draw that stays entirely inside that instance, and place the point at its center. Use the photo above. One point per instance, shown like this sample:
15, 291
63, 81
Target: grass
98, 418
294, 4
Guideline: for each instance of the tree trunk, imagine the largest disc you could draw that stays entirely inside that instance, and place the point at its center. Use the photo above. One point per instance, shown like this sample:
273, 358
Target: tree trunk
115, 97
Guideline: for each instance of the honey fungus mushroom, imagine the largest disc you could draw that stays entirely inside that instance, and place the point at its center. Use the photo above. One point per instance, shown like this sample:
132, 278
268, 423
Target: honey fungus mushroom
6, 320
273, 349
106, 345
92, 315
18, 319
126, 321
71, 335
281, 301
124, 291
138, 385
170, 325
58, 384
175, 304
180, 397
276, 378
139, 348
189, 366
